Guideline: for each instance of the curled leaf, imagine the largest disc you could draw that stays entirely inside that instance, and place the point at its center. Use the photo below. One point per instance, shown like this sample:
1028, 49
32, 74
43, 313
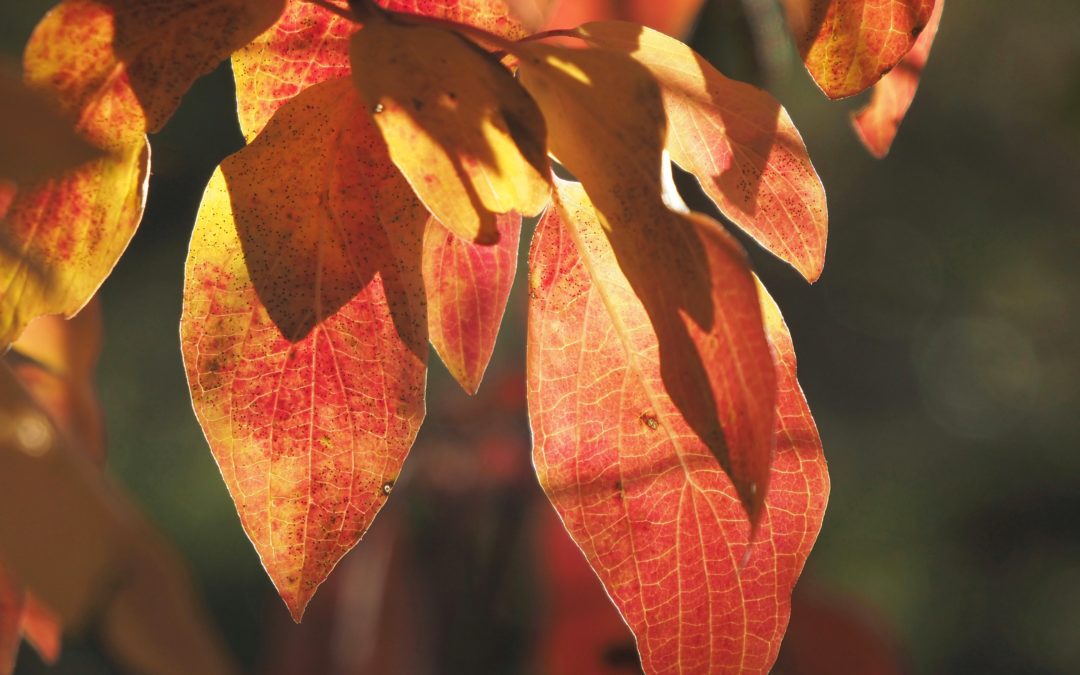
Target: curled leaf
877, 123
739, 143
304, 332
847, 45
468, 139
467, 287
636, 487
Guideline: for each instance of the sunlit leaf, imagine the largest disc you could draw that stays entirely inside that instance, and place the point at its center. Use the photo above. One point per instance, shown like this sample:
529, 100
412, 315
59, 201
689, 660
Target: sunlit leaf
116, 69
304, 332
468, 139
877, 123
606, 125
848, 45
309, 45
738, 141
637, 489
467, 286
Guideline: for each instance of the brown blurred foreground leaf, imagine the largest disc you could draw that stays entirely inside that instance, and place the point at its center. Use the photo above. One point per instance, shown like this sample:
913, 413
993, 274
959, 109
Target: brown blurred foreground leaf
101, 565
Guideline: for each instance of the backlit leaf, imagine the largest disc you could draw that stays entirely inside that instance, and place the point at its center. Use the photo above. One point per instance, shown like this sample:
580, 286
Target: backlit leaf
116, 69
658, 520
738, 141
304, 332
309, 45
848, 45
468, 139
467, 287
35, 140
877, 123
606, 125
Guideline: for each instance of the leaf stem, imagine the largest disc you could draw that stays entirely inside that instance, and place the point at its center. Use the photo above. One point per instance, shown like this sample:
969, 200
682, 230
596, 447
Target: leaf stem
556, 32
334, 9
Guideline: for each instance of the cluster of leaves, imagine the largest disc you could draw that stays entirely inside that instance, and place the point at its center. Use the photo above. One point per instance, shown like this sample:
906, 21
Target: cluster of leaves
393, 149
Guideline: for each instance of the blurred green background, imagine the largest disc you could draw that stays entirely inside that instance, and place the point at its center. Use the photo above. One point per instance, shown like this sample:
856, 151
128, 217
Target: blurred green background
940, 351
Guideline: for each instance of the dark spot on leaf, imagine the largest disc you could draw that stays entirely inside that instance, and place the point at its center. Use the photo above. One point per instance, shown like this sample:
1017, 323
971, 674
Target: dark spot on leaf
649, 420
916, 31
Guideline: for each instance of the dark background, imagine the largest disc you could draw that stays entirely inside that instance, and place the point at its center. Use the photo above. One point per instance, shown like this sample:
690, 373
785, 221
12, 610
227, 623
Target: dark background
939, 352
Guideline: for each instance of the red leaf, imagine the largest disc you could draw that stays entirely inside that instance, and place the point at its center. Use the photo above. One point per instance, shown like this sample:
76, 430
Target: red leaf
115, 69
309, 45
738, 141
11, 609
848, 45
467, 287
41, 628
877, 123
304, 332
607, 125
638, 490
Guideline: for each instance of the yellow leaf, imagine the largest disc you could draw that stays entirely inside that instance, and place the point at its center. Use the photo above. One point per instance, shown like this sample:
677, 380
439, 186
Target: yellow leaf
468, 139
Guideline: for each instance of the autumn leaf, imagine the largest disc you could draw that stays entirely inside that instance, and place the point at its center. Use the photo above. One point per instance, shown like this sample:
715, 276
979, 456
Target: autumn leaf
606, 125
11, 610
636, 487
310, 44
737, 140
877, 123
304, 332
848, 45
116, 69
35, 141
468, 139
41, 628
467, 286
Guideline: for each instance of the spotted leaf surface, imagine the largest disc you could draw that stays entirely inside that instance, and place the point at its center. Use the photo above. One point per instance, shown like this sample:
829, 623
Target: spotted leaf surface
309, 44
468, 139
877, 123
738, 141
847, 45
607, 126
467, 288
641, 494
304, 332
116, 69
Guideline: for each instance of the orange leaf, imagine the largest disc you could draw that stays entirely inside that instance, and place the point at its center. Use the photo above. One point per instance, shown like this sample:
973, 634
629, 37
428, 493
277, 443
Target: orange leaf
35, 141
41, 628
848, 45
636, 487
309, 45
304, 332
468, 139
607, 125
467, 287
11, 609
117, 69
877, 123
738, 141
